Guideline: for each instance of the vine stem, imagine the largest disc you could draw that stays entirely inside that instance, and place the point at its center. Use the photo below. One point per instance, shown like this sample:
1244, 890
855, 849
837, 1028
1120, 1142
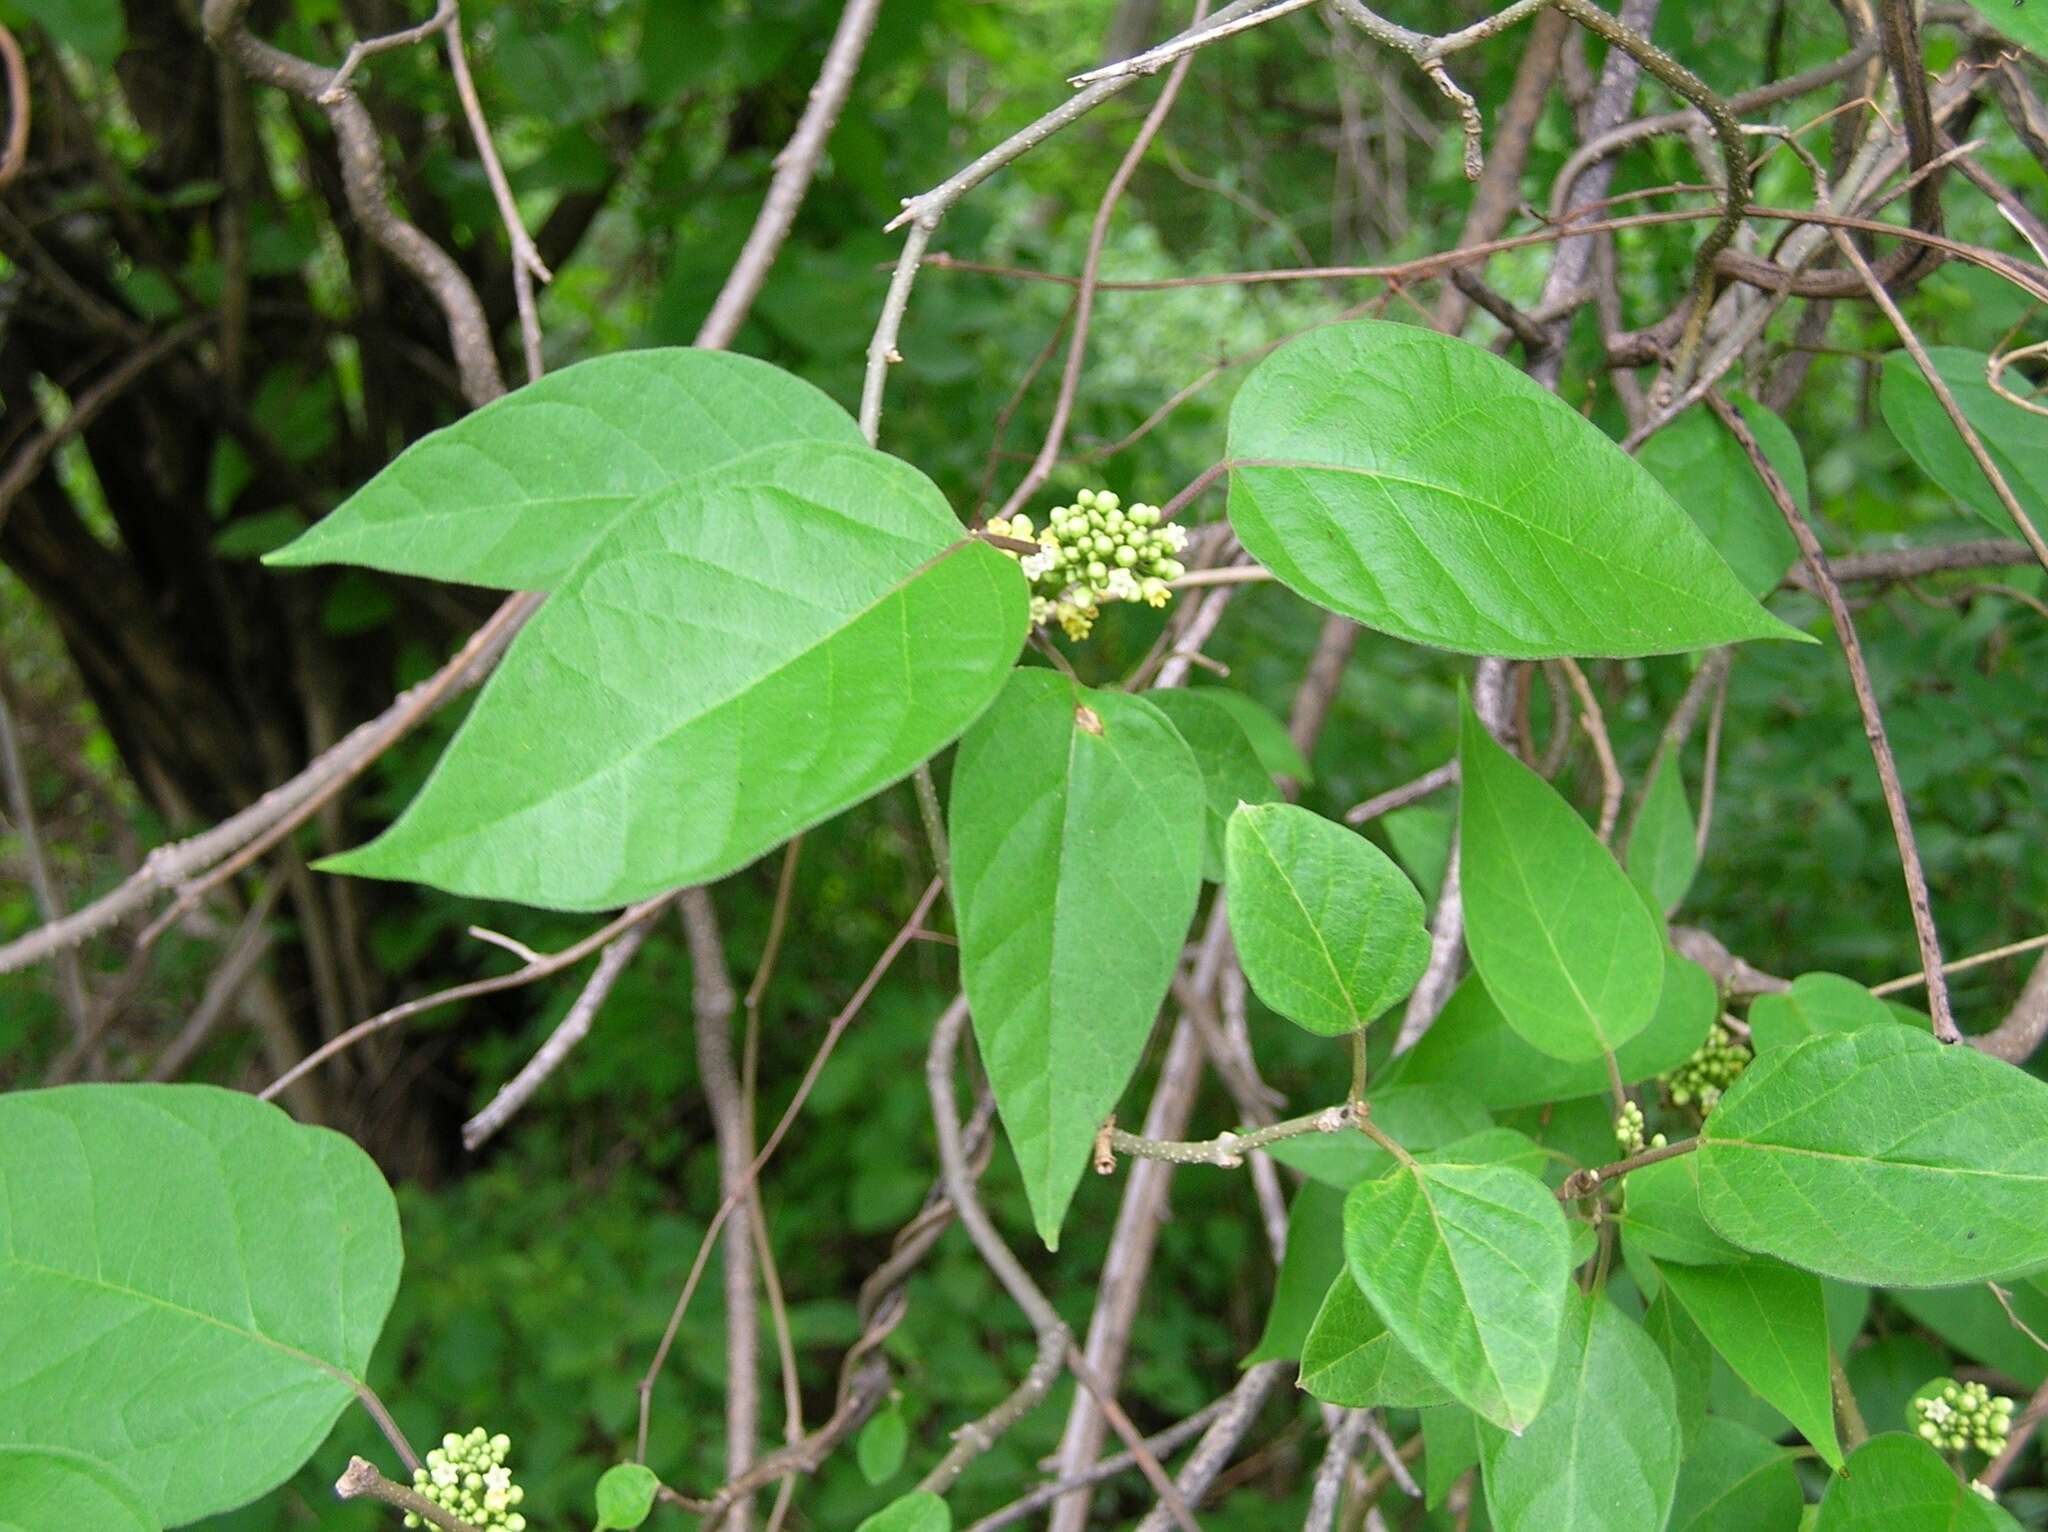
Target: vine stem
1225, 1149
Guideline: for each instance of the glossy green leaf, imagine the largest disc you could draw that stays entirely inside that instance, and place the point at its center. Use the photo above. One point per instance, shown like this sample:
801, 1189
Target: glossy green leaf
879, 1449
1733, 1480
1603, 1455
2015, 438
514, 494
915, 1512
1418, 1117
1329, 930
1231, 770
1311, 1261
1557, 932
1709, 474
1661, 1217
1276, 749
625, 1496
190, 1285
43, 1489
1880, 1156
1816, 1003
1897, 1483
752, 651
1426, 488
1077, 856
1450, 1446
1769, 1323
1468, 1267
1350, 1358
1471, 1045
1686, 1353
1663, 848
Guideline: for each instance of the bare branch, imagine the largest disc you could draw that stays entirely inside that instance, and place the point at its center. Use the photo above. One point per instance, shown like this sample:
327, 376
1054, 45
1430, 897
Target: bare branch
361, 1480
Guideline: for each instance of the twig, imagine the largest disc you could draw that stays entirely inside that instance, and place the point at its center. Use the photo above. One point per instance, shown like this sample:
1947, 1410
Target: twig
568, 1032
1212, 1453
1584, 1183
1866, 702
361, 1480
1909, 563
1393, 1460
2015, 1038
1328, 1489
1595, 724
247, 948
1710, 771
370, 47
1393, 798
2016, 1439
1225, 1149
21, 808
794, 168
14, 152
1961, 965
1159, 1444
1152, 60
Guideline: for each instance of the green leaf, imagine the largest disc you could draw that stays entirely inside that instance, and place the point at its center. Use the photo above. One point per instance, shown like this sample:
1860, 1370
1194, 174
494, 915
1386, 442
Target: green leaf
1897, 1483
1557, 932
1709, 474
1276, 749
1349, 1358
1418, 1117
1312, 1260
1661, 1216
625, 1496
1972, 1320
1880, 1156
95, 28
1468, 1266
1733, 1480
1450, 1446
1472, 1045
1421, 837
190, 1285
1077, 850
1428, 489
1231, 769
880, 1446
45, 1488
1603, 1455
749, 653
915, 1512
1663, 848
1816, 1003
1329, 930
513, 495
2023, 24
1769, 1323
1687, 1354
2016, 439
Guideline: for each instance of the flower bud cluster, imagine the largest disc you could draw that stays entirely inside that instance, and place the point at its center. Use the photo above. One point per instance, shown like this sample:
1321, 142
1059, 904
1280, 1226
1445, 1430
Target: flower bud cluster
1093, 551
1717, 1064
467, 1476
1959, 1415
1628, 1131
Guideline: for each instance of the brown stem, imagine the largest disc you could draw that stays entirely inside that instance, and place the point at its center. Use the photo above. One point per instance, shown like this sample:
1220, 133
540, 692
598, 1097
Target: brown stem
361, 1480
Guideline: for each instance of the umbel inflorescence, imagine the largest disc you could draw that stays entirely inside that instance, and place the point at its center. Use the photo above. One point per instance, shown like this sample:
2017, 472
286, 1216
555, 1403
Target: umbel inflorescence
1956, 1415
1717, 1064
1095, 551
467, 1476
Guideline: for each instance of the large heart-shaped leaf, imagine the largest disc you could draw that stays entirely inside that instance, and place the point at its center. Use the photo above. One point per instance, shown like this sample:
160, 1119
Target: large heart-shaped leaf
1350, 1358
1077, 857
1330, 931
2016, 439
45, 1488
1708, 473
1881, 1156
1897, 1483
1426, 488
1560, 936
1603, 1455
515, 493
751, 651
1770, 1324
1468, 1265
190, 1285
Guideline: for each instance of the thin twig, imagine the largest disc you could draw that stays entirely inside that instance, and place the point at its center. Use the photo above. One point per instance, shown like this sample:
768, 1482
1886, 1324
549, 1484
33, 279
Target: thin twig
1413, 791
14, 150
1225, 1149
361, 1480
1328, 1488
2016, 1439
21, 808
1961, 965
1595, 724
1159, 1444
370, 47
1584, 1183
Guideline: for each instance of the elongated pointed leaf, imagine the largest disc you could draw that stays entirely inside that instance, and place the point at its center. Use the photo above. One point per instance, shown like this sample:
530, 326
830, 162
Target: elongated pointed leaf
1880, 1156
1663, 848
1350, 1358
1468, 1267
1734, 1480
748, 653
1231, 770
1275, 748
1769, 1323
1427, 489
1077, 852
44, 1488
1710, 475
1418, 1117
1558, 933
1816, 1003
514, 494
1897, 1483
1330, 931
2016, 439
1603, 1455
190, 1285
1472, 1045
